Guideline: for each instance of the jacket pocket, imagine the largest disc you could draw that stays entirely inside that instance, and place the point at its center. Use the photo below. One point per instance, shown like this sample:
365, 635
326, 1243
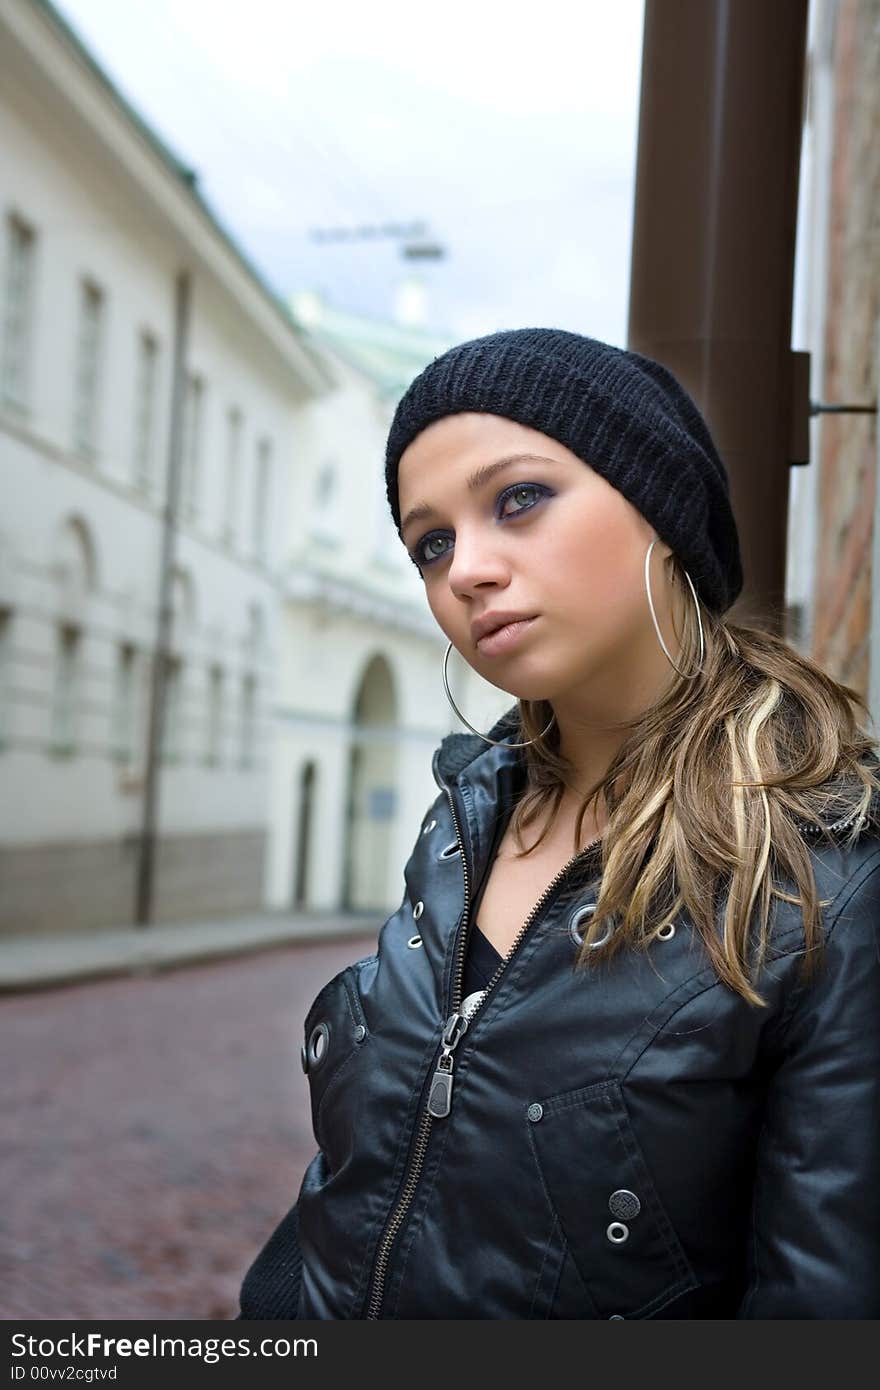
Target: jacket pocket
598, 1184
335, 1034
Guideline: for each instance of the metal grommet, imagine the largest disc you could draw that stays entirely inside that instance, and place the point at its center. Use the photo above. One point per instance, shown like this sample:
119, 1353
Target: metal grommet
318, 1044
304, 1058
617, 1232
586, 910
429, 826
414, 942
616, 1317
666, 932
624, 1204
535, 1111
418, 910
601, 940
360, 1033
450, 850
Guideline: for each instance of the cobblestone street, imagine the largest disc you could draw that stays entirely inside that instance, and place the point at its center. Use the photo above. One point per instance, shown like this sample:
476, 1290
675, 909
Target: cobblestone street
158, 1130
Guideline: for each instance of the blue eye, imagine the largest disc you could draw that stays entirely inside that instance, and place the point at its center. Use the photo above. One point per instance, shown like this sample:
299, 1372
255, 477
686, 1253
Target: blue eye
417, 554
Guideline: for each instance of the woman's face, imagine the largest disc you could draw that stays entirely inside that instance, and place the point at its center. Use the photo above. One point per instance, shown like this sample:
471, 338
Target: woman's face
547, 538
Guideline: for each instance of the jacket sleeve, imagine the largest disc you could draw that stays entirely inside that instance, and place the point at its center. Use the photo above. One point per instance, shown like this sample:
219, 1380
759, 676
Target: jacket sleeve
271, 1286
814, 1238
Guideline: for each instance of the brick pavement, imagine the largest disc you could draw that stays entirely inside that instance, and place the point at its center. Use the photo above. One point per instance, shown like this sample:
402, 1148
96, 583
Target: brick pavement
159, 1130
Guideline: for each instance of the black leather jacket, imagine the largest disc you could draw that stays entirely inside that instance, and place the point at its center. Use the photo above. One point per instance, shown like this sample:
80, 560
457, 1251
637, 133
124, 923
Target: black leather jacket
634, 1142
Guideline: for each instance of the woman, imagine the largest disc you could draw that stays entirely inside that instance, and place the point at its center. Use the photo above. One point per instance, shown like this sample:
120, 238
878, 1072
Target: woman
647, 1083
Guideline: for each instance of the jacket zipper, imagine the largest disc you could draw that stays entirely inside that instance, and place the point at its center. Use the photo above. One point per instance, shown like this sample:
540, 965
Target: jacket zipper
440, 1093
835, 826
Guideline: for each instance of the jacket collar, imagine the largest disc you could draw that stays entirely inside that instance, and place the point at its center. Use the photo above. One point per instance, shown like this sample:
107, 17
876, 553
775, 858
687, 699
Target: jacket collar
458, 751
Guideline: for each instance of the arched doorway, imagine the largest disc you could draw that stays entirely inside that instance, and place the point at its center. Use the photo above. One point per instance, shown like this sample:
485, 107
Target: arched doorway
371, 802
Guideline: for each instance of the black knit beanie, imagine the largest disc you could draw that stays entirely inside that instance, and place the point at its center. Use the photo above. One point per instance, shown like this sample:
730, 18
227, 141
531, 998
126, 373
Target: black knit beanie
624, 414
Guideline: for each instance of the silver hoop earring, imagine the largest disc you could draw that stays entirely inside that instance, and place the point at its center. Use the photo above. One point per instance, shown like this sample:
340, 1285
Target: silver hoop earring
498, 743
688, 676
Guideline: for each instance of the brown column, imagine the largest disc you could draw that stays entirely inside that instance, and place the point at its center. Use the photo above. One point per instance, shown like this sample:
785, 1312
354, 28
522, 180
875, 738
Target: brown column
713, 248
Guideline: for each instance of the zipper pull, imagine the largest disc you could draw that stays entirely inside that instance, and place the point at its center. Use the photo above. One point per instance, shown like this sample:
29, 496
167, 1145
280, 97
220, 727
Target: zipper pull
440, 1097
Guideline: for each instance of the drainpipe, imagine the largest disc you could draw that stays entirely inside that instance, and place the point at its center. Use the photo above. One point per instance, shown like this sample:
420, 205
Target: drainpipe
712, 273
144, 892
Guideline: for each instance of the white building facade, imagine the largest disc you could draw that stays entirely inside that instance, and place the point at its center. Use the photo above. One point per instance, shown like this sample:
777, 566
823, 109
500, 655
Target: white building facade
303, 691
361, 698
98, 222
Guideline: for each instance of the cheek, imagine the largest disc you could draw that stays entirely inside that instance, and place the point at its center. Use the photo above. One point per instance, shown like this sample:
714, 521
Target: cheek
596, 565
446, 612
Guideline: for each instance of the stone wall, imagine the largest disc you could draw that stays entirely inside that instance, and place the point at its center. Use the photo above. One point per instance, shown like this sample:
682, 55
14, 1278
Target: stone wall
80, 886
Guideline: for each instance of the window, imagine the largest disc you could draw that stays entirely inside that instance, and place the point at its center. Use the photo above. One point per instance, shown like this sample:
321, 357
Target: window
88, 365
326, 487
326, 516
262, 487
193, 413
5, 674
65, 698
233, 468
171, 722
123, 704
17, 311
144, 411
248, 720
215, 716
253, 637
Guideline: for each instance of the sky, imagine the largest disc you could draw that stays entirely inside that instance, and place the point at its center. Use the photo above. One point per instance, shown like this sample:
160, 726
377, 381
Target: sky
508, 130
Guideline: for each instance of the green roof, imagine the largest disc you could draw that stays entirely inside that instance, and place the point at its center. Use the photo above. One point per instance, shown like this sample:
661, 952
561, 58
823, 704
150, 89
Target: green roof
390, 354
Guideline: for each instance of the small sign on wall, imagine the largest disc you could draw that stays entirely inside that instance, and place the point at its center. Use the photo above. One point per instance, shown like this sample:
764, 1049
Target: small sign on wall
382, 803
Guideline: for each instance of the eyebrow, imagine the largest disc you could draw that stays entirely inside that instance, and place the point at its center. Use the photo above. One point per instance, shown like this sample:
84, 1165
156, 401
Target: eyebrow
477, 479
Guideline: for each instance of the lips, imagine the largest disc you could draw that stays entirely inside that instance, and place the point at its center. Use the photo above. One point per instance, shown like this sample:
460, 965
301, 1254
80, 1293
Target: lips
505, 638
490, 622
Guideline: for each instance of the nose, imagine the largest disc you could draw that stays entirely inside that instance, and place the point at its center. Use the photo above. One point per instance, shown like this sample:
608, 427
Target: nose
477, 560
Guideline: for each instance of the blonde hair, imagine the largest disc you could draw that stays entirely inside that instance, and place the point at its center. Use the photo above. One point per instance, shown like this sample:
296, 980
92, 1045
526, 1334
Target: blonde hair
712, 780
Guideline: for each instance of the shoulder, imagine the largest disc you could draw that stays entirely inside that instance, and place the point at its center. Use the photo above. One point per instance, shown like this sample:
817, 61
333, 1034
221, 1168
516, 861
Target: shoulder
829, 1032
851, 920
846, 874
821, 933
840, 987
845, 857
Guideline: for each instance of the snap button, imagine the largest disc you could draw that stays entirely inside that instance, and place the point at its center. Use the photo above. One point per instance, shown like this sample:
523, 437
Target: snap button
418, 910
360, 1033
303, 1057
617, 1232
666, 932
318, 1045
414, 942
535, 1111
429, 826
624, 1204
